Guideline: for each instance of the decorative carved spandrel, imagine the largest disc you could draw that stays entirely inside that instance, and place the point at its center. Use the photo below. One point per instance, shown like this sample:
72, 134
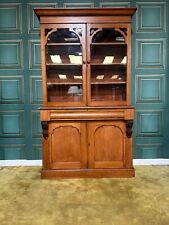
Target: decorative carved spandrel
129, 126
45, 127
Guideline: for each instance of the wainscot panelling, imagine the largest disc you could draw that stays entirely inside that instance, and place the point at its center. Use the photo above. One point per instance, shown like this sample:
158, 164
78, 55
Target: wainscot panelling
151, 17
11, 152
21, 82
36, 126
11, 54
33, 22
10, 18
11, 89
36, 152
12, 124
150, 53
149, 79
78, 5
149, 123
36, 89
34, 54
114, 4
150, 88
149, 151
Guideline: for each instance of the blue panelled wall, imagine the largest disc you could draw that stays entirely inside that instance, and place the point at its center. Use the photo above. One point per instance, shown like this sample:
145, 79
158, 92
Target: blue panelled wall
20, 76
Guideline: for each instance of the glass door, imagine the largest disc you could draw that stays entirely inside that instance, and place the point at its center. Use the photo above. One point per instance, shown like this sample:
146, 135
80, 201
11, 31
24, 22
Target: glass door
65, 65
107, 64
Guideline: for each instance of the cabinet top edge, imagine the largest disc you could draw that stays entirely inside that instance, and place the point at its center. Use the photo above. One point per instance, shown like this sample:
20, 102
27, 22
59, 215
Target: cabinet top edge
116, 11
85, 108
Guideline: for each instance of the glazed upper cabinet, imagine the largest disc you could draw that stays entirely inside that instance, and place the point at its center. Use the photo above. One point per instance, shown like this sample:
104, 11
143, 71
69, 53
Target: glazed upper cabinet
86, 64
86, 115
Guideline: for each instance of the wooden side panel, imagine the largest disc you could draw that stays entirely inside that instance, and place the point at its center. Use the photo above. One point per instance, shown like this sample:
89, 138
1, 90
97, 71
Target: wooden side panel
106, 144
67, 145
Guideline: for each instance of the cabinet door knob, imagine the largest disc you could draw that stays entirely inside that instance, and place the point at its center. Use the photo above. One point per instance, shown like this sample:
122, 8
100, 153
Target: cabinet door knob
84, 62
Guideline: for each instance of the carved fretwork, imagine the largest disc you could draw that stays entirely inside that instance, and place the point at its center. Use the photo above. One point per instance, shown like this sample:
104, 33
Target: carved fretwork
124, 30
48, 31
45, 127
92, 31
129, 125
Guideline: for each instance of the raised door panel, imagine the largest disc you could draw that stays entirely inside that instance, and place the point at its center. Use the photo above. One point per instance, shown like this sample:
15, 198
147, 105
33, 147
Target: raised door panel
106, 144
67, 145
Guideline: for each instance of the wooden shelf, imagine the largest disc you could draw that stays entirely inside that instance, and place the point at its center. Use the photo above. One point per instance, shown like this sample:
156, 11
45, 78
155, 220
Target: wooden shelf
92, 64
75, 82
108, 82
53, 44
57, 81
69, 81
109, 43
64, 83
62, 64
111, 64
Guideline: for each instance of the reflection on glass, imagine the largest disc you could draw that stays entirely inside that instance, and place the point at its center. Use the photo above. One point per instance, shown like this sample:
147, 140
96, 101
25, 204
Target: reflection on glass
64, 65
108, 92
65, 35
73, 90
106, 35
108, 64
64, 93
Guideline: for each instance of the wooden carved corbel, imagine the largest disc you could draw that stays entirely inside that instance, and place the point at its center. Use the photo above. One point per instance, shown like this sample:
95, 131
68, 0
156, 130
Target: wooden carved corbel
129, 125
45, 127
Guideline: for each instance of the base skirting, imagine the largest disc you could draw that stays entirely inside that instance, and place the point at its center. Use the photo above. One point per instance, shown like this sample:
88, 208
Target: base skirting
159, 162
21, 162
87, 173
151, 162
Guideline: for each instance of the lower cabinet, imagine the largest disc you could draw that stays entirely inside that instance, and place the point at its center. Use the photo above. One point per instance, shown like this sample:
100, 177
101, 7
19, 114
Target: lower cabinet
87, 149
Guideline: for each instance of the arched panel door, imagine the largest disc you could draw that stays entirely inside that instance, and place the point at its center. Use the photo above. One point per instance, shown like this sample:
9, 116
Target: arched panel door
67, 145
106, 144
